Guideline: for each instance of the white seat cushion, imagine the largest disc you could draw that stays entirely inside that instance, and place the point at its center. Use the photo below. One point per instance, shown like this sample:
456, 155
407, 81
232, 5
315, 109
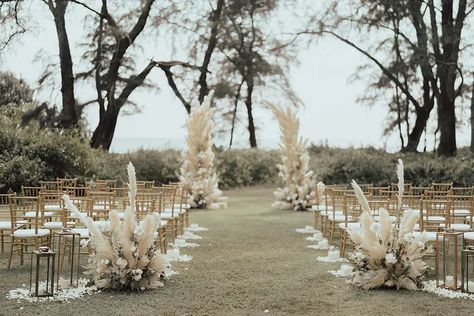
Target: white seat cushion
77, 217
392, 218
339, 218
469, 236
24, 233
330, 213
53, 225
8, 225
52, 207
436, 218
461, 213
176, 211
32, 214
166, 216
186, 205
83, 231
461, 227
429, 236
351, 226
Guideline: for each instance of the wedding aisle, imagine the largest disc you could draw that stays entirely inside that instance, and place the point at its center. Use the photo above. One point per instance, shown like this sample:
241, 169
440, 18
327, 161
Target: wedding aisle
251, 261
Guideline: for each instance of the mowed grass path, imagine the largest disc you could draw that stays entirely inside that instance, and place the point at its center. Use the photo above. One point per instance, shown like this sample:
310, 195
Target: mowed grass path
250, 260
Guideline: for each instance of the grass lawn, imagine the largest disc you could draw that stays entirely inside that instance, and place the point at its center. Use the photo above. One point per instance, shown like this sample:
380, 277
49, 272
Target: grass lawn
250, 260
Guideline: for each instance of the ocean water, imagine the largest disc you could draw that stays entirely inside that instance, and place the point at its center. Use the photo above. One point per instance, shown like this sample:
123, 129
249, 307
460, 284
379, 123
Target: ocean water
126, 144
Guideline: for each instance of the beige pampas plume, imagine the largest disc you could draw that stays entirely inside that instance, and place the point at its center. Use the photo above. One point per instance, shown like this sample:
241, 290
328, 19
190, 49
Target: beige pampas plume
299, 191
197, 169
361, 197
401, 184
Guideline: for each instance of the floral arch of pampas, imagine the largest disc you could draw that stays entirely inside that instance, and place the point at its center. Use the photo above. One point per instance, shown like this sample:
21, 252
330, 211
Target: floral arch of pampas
386, 253
299, 188
197, 169
126, 255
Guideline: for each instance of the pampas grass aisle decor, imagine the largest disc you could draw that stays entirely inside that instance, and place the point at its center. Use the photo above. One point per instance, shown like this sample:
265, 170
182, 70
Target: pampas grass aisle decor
126, 256
198, 169
387, 254
298, 192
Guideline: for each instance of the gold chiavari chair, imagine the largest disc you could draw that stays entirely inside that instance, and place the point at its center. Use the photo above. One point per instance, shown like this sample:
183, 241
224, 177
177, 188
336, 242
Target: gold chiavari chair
166, 208
30, 191
461, 212
338, 212
377, 203
144, 185
5, 224
435, 215
23, 236
103, 203
415, 204
366, 187
352, 213
51, 207
180, 205
75, 191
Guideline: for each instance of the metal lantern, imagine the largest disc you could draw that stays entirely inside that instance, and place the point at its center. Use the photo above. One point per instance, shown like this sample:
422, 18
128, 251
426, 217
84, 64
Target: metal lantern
467, 272
68, 250
448, 264
42, 272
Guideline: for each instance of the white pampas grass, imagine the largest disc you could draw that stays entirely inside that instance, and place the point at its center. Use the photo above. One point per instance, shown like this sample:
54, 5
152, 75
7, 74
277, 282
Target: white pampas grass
128, 256
387, 254
299, 192
198, 169
401, 184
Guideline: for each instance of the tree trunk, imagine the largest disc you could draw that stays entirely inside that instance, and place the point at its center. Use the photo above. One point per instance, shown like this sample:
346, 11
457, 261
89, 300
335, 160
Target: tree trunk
472, 118
104, 132
248, 104
68, 117
414, 137
446, 122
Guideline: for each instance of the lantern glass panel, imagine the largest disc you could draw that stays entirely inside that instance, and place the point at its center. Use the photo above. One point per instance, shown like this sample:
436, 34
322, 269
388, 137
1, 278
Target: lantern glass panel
467, 270
448, 259
42, 272
68, 251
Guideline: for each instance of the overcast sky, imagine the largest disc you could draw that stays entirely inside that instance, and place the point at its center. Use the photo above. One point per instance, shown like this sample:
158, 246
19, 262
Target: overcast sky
330, 115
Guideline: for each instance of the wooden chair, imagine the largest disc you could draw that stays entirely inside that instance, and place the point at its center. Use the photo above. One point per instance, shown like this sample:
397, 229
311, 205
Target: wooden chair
435, 214
352, 213
461, 212
143, 185
75, 191
103, 203
26, 231
462, 191
337, 215
105, 185
377, 191
167, 208
51, 207
407, 187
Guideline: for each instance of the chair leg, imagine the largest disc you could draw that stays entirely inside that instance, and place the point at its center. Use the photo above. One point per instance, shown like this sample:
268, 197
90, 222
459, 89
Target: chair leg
2, 241
12, 245
342, 243
331, 231
21, 252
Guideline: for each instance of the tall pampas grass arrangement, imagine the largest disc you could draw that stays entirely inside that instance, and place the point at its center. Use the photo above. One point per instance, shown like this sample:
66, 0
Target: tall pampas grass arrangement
386, 253
299, 189
198, 169
126, 256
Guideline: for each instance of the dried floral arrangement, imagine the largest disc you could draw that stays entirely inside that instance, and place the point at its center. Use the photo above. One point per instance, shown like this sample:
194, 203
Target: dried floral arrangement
126, 257
198, 169
299, 188
386, 253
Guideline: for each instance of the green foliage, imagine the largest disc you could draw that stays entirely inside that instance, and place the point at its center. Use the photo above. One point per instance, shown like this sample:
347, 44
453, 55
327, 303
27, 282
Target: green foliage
14, 90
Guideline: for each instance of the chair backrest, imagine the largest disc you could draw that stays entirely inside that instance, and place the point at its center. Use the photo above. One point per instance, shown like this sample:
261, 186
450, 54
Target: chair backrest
103, 203
105, 185
445, 186
30, 191
19, 207
65, 182
167, 198
144, 207
462, 203
435, 215
376, 203
406, 187
436, 195
50, 186
376, 191
338, 199
462, 191
413, 202
419, 191
352, 209
84, 205
76, 191
145, 184
5, 207
366, 187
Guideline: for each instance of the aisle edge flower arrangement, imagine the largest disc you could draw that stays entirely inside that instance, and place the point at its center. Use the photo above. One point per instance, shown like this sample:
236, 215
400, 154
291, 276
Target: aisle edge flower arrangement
126, 257
298, 192
386, 253
198, 169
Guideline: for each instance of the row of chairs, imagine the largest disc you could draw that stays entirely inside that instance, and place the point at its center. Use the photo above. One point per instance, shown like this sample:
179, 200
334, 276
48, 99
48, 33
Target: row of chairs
440, 206
31, 218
